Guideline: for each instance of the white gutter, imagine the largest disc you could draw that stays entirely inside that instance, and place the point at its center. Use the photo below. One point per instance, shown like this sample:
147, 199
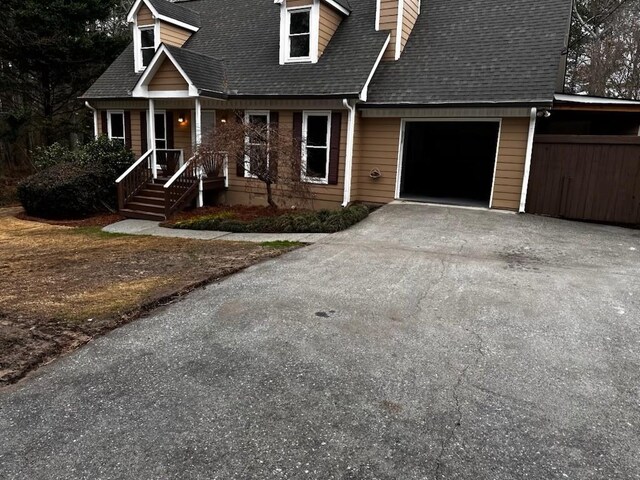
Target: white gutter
527, 162
95, 119
348, 167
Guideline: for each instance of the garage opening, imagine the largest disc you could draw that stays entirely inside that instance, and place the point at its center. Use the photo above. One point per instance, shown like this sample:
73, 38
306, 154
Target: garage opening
449, 162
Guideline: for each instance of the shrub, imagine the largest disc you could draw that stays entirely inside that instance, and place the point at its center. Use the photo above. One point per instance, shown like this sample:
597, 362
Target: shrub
323, 221
75, 183
45, 157
65, 190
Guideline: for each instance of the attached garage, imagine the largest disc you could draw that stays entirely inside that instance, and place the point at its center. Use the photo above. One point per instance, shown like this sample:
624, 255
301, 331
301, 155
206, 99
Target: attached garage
449, 161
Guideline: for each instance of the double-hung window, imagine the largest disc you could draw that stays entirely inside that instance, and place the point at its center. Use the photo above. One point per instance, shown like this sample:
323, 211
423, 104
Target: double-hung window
116, 130
147, 44
316, 128
299, 34
256, 160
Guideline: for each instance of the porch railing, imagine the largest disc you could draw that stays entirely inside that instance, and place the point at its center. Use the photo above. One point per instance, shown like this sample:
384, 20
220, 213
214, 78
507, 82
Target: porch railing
170, 160
136, 177
181, 187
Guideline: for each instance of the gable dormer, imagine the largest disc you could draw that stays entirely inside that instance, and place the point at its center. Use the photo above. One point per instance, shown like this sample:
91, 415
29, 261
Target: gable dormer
398, 17
307, 26
156, 22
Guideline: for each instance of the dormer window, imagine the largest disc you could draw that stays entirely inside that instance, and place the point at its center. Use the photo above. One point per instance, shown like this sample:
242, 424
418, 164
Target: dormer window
299, 47
147, 44
299, 30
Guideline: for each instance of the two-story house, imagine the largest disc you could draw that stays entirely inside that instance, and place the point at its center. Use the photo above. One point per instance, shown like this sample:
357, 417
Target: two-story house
427, 100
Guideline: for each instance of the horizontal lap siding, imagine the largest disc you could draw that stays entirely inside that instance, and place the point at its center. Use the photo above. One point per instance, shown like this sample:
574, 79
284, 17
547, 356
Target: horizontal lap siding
145, 17
389, 21
182, 133
168, 78
329, 22
253, 192
512, 152
410, 16
377, 143
136, 136
299, 3
172, 35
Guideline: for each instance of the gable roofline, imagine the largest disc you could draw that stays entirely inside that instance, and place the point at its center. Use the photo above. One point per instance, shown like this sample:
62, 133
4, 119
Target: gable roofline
339, 5
136, 6
141, 88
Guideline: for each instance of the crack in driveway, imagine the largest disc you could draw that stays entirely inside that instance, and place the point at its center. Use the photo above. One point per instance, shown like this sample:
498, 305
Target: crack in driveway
446, 442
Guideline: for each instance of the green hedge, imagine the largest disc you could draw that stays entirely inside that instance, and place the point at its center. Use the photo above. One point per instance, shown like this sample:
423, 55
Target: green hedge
65, 190
323, 221
74, 183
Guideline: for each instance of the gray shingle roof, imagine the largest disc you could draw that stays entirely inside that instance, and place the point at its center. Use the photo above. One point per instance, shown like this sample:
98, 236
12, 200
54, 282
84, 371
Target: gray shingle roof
206, 73
476, 51
177, 11
245, 35
460, 52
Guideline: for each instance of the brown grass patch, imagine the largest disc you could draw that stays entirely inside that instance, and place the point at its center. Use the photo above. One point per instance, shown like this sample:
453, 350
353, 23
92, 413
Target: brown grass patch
62, 286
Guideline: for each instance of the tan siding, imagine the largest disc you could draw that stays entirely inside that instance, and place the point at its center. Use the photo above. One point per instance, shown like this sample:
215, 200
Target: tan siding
168, 78
145, 17
136, 136
100, 132
377, 143
251, 192
172, 35
410, 16
182, 133
511, 160
389, 21
329, 22
298, 3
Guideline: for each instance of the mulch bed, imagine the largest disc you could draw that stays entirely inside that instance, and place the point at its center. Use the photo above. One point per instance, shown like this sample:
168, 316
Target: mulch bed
98, 220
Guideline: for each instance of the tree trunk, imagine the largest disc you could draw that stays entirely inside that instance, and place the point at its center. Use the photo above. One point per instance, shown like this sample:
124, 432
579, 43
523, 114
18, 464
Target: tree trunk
47, 106
270, 201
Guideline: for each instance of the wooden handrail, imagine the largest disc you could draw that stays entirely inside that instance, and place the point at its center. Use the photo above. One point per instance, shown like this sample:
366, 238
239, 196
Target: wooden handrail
131, 181
132, 167
180, 188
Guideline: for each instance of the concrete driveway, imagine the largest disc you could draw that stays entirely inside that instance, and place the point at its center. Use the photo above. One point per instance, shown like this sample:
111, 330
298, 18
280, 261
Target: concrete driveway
425, 343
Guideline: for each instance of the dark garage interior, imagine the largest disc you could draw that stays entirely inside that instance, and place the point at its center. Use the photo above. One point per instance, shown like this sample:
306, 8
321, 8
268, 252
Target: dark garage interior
449, 162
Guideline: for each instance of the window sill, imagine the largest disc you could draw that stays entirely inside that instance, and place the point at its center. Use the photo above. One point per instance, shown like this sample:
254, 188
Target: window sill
299, 60
315, 181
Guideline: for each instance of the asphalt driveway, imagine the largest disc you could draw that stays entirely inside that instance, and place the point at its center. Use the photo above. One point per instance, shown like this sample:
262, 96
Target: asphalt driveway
425, 343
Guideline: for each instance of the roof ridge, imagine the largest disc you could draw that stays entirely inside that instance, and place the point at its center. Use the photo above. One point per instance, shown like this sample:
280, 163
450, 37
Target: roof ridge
183, 49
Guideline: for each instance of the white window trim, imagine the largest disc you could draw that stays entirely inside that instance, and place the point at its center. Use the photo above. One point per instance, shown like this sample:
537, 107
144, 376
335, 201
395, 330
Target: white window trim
124, 126
247, 160
314, 33
137, 41
305, 118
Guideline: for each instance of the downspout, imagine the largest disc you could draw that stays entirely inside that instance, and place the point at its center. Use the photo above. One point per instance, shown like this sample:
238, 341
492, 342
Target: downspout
95, 119
527, 163
348, 167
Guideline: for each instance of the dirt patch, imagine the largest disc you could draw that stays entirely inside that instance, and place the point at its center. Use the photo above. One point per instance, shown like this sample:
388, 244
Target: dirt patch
98, 220
62, 286
237, 212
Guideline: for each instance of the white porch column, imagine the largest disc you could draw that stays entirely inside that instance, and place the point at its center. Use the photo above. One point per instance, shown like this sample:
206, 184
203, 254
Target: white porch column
151, 137
198, 122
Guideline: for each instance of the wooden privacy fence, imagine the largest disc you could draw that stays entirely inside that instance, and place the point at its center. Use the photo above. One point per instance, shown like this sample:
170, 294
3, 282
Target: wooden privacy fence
586, 177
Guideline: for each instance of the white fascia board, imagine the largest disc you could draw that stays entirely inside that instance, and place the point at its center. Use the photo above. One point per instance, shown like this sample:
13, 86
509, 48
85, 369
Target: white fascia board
365, 90
136, 6
338, 7
399, 27
586, 99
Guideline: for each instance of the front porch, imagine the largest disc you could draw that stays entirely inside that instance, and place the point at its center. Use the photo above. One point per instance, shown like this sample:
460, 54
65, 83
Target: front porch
171, 171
